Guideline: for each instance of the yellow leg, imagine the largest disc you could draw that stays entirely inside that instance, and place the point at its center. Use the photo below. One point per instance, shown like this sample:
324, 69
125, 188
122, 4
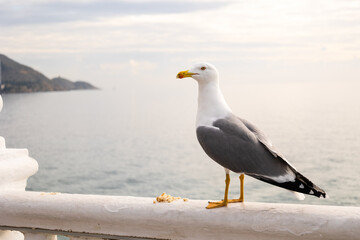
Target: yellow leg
224, 202
241, 199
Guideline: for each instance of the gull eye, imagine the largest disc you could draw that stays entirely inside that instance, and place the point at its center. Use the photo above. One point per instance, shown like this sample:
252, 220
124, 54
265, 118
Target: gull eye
203, 68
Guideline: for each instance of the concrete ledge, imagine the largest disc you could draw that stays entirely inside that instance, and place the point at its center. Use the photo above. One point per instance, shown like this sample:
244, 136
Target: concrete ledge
140, 217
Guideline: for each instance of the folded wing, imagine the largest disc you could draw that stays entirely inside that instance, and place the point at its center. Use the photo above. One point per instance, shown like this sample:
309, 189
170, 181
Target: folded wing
238, 145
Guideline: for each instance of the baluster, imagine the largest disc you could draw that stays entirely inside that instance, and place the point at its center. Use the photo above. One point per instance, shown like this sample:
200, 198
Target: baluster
39, 236
2, 140
85, 238
11, 235
15, 166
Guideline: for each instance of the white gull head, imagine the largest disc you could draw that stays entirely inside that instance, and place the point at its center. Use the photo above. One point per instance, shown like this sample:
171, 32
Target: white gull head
211, 102
205, 73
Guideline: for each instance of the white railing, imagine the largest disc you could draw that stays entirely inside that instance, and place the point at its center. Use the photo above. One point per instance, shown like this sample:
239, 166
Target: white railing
112, 217
38, 216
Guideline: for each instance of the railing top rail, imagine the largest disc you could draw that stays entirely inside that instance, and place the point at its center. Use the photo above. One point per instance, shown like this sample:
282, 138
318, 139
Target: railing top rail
141, 218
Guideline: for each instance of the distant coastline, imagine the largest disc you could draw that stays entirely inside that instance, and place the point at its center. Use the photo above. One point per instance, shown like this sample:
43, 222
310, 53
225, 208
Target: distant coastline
18, 78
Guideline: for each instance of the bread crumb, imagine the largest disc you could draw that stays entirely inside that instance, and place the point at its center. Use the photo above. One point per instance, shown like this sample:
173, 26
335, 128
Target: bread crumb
168, 198
154, 202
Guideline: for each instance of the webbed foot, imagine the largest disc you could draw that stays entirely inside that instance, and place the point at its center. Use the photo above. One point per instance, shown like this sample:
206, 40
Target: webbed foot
216, 204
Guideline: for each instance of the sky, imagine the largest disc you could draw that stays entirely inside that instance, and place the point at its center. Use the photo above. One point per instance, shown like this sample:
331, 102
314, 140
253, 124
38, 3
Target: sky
111, 43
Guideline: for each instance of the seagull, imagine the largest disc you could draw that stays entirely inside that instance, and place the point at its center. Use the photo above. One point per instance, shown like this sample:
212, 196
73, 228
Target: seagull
237, 144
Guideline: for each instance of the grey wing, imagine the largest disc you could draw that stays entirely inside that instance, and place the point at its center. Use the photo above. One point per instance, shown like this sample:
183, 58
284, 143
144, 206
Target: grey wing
234, 146
239, 146
260, 135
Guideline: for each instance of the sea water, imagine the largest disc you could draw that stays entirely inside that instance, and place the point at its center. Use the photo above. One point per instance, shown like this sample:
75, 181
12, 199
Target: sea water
141, 141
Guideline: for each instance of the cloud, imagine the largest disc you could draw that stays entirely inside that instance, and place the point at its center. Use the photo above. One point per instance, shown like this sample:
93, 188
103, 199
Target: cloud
254, 34
134, 67
45, 11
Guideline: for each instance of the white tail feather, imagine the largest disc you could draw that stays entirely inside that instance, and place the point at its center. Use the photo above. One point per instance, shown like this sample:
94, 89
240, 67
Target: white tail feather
299, 196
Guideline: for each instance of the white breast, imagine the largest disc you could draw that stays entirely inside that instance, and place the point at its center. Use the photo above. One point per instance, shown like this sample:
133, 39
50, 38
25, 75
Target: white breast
211, 104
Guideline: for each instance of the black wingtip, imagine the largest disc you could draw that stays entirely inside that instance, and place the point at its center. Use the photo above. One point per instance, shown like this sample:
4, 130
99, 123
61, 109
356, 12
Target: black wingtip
301, 184
308, 187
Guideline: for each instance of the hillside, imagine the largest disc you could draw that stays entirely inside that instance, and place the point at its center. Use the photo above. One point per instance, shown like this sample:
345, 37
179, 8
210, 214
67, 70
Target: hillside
16, 78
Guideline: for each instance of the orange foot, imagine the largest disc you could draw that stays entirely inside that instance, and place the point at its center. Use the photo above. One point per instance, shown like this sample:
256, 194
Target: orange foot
236, 200
216, 204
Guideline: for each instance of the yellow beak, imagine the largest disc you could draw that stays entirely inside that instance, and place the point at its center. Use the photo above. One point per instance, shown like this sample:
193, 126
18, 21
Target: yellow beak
184, 74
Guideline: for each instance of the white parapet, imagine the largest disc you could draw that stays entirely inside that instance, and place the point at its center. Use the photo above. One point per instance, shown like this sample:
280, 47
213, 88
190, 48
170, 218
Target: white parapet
140, 217
15, 168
